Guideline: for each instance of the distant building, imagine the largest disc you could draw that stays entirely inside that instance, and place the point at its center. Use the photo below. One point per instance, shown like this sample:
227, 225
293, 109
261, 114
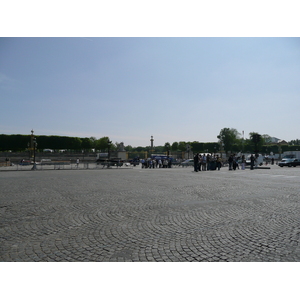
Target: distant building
282, 142
274, 140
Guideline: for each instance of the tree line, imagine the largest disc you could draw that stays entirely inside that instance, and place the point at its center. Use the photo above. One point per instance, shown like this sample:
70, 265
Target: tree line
229, 140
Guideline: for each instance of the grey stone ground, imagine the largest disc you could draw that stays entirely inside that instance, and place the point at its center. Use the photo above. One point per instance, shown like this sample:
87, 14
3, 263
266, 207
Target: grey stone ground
150, 215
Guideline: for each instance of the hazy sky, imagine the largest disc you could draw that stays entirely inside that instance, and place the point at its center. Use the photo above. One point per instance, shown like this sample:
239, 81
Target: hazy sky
176, 89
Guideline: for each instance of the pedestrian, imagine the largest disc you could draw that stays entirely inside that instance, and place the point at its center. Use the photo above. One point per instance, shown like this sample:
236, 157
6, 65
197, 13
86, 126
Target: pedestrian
159, 163
165, 163
200, 162
77, 162
196, 162
208, 161
219, 164
234, 162
230, 161
243, 162
204, 162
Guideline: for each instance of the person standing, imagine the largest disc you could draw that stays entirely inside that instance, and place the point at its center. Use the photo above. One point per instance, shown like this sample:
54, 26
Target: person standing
234, 163
208, 161
230, 161
196, 162
243, 162
204, 162
77, 162
200, 162
218, 161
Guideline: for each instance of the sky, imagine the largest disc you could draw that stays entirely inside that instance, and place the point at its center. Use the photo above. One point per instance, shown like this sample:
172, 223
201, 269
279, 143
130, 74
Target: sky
132, 88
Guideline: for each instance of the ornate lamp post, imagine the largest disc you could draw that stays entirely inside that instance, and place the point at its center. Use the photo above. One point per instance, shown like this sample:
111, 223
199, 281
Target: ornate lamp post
151, 140
34, 144
108, 147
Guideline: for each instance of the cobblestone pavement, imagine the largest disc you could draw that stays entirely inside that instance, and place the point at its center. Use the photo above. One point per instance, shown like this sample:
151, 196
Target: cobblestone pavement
150, 215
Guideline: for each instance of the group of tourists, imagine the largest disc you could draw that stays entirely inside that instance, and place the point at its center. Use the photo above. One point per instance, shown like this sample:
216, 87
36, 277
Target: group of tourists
214, 162
156, 163
233, 162
207, 162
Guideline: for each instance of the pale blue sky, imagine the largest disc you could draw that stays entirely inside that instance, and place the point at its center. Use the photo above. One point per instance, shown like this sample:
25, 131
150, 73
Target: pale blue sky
176, 89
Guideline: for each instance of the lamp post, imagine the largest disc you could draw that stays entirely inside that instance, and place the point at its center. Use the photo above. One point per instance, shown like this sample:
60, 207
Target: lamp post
151, 140
108, 147
34, 150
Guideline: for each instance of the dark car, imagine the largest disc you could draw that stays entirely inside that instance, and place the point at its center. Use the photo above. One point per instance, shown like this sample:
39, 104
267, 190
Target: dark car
289, 162
109, 162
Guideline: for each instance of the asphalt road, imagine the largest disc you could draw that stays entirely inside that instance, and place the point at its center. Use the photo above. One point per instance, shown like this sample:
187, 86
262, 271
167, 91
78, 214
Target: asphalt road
150, 215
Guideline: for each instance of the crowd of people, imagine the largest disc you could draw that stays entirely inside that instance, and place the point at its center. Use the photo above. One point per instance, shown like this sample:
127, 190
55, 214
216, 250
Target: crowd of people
156, 163
203, 162
207, 162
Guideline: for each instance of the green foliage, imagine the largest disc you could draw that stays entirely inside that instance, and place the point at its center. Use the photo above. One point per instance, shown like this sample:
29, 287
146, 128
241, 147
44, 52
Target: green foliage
197, 147
295, 142
103, 144
174, 146
228, 137
182, 146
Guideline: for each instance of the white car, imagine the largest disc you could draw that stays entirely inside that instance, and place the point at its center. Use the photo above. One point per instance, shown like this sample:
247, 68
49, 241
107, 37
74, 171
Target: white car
188, 162
258, 160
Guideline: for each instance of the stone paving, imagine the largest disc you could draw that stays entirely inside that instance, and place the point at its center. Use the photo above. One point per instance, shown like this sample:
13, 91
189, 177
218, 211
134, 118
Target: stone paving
156, 215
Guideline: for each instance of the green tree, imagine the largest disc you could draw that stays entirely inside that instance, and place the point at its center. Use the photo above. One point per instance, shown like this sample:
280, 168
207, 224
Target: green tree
128, 148
174, 146
86, 144
182, 146
103, 143
267, 138
294, 142
211, 147
228, 137
257, 141
197, 147
93, 141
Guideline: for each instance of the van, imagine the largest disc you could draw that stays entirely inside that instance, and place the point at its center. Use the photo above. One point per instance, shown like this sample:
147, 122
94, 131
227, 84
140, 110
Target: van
258, 160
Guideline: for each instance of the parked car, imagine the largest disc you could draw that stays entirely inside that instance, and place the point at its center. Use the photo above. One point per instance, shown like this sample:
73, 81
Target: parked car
188, 162
289, 162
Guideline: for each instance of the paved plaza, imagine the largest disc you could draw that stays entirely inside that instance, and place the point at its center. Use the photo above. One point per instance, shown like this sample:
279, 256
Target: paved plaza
156, 215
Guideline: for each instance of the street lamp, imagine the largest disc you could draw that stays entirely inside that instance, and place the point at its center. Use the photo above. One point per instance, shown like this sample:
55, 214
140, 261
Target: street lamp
108, 147
34, 150
151, 140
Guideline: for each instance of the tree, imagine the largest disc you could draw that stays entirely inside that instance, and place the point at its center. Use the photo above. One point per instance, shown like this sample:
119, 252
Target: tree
74, 143
128, 148
197, 147
174, 146
256, 140
182, 146
93, 141
267, 138
86, 144
228, 137
103, 143
294, 142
